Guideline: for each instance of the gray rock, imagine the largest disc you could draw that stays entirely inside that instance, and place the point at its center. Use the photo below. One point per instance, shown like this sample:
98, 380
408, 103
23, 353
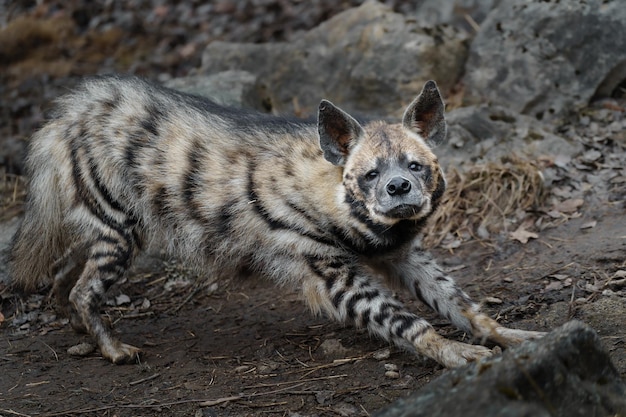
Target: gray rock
230, 88
567, 373
546, 58
368, 59
463, 14
477, 134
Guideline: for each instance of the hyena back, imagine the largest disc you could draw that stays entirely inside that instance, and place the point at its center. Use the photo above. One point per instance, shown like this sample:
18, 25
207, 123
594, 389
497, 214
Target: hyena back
332, 208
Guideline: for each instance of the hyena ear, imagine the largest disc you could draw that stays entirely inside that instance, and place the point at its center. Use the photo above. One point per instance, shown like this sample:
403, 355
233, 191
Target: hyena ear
338, 132
425, 115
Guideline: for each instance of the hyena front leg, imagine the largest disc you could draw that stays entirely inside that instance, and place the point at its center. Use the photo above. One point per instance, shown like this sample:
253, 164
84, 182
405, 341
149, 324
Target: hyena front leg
349, 292
421, 274
108, 258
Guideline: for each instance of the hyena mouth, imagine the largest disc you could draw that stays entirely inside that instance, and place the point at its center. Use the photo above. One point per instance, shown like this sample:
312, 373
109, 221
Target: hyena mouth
403, 211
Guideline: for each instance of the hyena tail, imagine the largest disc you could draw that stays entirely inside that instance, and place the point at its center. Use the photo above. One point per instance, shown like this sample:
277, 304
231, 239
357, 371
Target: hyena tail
41, 237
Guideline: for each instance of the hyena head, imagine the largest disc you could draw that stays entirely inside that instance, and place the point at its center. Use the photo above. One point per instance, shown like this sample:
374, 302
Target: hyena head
389, 170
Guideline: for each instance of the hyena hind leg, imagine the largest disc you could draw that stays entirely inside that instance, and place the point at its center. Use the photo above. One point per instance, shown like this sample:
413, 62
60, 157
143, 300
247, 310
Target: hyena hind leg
107, 262
66, 271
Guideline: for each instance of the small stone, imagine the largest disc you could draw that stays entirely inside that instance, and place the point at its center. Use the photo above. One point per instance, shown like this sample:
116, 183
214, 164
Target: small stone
212, 288
620, 274
324, 397
391, 367
241, 369
493, 300
145, 304
267, 367
382, 354
332, 348
392, 374
81, 349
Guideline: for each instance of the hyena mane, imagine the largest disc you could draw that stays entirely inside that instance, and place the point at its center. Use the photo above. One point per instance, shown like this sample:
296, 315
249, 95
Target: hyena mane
331, 206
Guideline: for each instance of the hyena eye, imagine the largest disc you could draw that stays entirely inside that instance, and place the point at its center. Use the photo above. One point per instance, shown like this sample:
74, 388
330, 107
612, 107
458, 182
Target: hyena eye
414, 166
371, 175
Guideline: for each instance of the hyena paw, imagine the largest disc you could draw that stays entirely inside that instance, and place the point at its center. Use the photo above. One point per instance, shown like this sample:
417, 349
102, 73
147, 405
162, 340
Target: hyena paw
511, 337
120, 353
450, 353
454, 354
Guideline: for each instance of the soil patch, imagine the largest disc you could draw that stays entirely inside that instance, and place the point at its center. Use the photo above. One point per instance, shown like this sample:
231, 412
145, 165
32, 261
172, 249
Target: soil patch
248, 348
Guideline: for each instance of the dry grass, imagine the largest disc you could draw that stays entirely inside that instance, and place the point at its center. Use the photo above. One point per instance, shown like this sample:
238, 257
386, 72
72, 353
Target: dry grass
12, 195
484, 199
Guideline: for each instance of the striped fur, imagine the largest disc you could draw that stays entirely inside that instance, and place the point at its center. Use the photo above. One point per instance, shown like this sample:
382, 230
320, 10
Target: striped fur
332, 208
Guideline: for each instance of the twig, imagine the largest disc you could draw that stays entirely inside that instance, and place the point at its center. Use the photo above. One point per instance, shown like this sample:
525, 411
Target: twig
134, 316
321, 378
554, 271
201, 403
571, 307
240, 396
15, 413
142, 380
112, 406
53, 351
185, 301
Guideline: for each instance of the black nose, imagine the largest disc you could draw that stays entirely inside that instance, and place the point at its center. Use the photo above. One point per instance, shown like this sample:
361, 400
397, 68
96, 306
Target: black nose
398, 186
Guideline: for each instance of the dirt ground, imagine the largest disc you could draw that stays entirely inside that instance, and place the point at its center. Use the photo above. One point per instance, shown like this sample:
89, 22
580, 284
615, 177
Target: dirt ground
248, 348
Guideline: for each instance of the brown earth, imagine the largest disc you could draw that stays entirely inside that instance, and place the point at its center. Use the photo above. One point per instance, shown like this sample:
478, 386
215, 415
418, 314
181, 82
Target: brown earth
249, 348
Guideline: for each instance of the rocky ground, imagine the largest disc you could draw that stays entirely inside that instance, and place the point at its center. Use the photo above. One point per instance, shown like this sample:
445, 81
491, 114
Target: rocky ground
553, 252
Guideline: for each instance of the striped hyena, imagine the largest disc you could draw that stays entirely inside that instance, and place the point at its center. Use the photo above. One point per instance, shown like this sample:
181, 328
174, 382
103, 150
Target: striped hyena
332, 208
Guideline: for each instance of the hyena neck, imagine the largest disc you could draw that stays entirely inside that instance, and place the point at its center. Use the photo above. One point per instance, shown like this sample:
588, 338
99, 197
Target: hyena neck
305, 193
368, 237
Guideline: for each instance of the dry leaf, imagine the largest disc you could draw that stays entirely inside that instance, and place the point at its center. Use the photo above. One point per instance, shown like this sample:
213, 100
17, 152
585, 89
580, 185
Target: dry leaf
560, 277
589, 225
122, 299
562, 161
492, 300
522, 235
591, 155
569, 206
555, 214
554, 286
563, 192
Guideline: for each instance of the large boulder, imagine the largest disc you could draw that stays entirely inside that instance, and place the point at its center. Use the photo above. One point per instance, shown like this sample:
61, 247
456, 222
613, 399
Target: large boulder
463, 14
544, 58
367, 59
477, 134
229, 88
567, 373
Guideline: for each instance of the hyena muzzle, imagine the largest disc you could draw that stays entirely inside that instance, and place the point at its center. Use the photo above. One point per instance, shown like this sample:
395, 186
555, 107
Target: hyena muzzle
332, 208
